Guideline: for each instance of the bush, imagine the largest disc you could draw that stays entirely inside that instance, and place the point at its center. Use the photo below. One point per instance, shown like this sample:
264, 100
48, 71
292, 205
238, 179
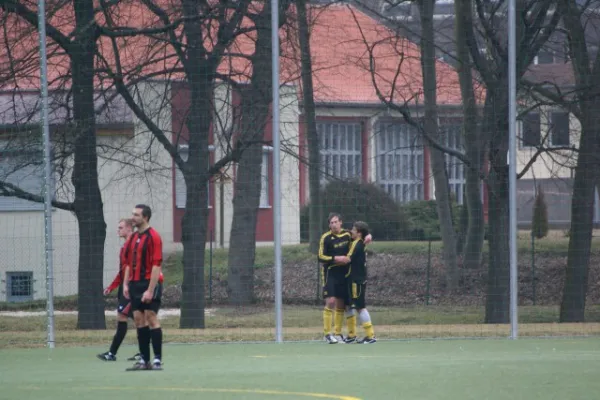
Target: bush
539, 221
423, 221
360, 202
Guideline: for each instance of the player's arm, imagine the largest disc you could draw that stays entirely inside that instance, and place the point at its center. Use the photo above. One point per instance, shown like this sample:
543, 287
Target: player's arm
115, 284
126, 278
352, 248
324, 249
156, 267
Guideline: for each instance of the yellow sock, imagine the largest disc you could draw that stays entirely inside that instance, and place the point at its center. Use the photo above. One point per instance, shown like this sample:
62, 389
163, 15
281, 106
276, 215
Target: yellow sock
369, 329
351, 324
327, 318
338, 320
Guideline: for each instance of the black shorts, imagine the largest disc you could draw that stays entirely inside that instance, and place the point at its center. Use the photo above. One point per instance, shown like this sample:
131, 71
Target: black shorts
124, 307
334, 282
357, 293
136, 291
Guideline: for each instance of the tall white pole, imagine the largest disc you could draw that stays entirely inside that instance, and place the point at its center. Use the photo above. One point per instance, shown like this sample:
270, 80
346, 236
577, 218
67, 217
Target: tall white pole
276, 170
47, 174
512, 166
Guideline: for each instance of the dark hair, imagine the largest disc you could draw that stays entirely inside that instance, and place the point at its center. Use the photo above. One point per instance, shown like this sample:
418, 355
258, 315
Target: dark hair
146, 211
362, 228
334, 215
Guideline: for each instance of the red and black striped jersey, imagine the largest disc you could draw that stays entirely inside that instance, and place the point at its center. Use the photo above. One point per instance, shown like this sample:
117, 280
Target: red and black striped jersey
144, 251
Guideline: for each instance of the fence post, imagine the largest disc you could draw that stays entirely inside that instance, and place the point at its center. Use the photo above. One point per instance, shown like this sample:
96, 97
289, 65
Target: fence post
533, 267
210, 268
428, 287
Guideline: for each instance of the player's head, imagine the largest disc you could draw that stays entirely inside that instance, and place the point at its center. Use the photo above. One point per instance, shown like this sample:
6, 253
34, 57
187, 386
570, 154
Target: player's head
125, 227
360, 230
141, 215
335, 222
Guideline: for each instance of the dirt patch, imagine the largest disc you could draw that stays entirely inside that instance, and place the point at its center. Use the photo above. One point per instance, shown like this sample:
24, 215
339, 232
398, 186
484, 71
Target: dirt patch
403, 280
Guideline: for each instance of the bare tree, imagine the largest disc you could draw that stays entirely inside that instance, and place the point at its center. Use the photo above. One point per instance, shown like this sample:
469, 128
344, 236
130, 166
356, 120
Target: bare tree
80, 49
256, 98
438, 163
315, 219
195, 39
586, 68
536, 22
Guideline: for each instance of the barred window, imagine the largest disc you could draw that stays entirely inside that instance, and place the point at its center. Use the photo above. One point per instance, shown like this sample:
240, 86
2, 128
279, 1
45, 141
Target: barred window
340, 149
400, 162
19, 286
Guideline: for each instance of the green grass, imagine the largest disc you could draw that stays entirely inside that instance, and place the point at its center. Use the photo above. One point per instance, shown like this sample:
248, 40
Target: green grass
531, 369
304, 323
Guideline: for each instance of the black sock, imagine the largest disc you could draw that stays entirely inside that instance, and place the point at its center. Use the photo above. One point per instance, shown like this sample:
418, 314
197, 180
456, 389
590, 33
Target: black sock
144, 342
156, 335
119, 336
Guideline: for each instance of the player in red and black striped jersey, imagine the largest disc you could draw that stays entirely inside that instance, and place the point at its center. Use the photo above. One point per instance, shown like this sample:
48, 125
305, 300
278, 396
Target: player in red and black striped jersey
124, 311
141, 285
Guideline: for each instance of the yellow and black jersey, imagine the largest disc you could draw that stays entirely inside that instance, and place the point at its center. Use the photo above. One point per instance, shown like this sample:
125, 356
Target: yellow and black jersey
358, 261
332, 245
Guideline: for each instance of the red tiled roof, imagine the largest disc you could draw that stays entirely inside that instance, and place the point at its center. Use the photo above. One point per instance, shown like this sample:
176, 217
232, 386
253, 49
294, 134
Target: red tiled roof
340, 39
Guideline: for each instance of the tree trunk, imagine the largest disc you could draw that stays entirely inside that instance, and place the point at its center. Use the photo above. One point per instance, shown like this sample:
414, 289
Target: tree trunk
440, 176
572, 307
246, 202
495, 127
472, 142
88, 199
586, 69
200, 74
308, 102
195, 219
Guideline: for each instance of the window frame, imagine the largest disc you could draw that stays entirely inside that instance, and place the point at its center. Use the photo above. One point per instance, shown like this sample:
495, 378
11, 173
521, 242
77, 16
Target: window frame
348, 149
407, 150
265, 200
552, 127
12, 298
524, 144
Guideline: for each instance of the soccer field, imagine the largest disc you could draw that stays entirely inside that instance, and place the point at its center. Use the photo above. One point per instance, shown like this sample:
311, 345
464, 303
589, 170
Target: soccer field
411, 370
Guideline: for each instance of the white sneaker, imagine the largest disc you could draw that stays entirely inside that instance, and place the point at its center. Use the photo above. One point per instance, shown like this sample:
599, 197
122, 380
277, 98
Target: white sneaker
329, 338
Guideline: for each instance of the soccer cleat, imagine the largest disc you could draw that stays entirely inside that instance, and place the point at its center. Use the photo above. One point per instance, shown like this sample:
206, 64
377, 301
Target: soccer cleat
368, 340
136, 357
340, 338
330, 339
107, 356
141, 365
157, 364
349, 339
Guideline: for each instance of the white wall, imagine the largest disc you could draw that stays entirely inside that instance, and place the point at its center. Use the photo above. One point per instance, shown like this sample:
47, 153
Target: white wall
557, 164
132, 169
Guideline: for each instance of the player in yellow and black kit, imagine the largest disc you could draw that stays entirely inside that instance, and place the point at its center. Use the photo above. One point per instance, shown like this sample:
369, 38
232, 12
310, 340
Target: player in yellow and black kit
358, 279
333, 249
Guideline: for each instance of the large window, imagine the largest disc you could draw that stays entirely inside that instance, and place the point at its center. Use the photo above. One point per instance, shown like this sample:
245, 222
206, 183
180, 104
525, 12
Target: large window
530, 130
452, 134
340, 148
19, 286
180, 189
559, 128
25, 170
400, 161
